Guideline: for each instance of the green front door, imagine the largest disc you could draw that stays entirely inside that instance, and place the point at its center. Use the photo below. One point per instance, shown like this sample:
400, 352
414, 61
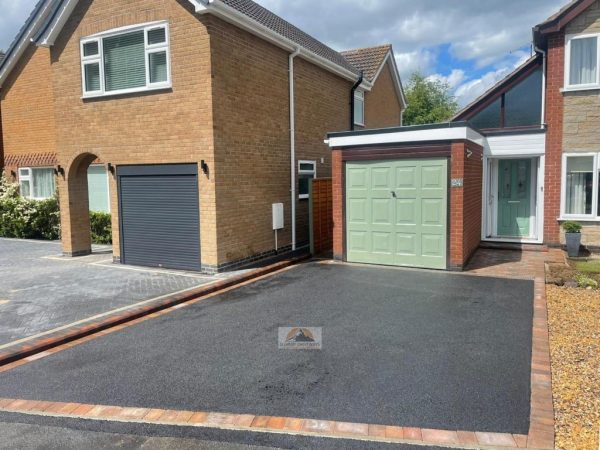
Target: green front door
396, 212
514, 197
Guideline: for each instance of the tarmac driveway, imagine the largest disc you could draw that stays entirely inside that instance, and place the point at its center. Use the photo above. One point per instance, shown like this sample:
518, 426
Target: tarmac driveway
400, 347
40, 290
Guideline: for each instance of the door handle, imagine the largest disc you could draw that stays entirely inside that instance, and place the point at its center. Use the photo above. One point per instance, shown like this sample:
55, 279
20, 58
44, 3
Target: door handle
393, 194
514, 201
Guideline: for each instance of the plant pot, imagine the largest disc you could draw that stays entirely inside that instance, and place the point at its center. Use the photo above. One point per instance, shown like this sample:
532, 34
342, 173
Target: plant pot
573, 244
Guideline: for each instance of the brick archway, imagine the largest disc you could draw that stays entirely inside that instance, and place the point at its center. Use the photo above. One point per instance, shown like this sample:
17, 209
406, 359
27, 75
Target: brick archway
74, 206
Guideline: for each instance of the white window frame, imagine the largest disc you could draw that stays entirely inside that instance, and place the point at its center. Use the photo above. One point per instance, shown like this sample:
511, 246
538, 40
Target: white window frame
359, 95
563, 197
567, 83
312, 172
148, 49
29, 177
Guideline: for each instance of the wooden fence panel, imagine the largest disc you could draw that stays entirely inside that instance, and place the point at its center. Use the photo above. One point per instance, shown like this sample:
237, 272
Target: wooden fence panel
321, 216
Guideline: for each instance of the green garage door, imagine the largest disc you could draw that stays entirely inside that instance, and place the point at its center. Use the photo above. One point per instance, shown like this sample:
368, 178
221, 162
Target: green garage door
396, 212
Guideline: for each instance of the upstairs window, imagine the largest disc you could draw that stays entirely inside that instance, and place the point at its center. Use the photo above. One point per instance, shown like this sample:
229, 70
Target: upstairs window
359, 108
581, 62
126, 61
518, 106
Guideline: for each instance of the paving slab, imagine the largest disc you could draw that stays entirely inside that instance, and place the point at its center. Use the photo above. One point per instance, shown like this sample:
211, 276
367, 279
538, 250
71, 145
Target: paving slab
400, 347
41, 290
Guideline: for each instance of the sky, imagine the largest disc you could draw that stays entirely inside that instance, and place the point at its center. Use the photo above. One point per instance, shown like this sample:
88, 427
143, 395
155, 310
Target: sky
470, 44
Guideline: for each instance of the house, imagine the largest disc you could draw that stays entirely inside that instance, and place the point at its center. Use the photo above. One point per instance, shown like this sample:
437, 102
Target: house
202, 113
509, 169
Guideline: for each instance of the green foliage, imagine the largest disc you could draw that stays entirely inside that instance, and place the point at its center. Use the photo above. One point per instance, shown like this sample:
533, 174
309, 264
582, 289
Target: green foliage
25, 218
584, 281
429, 101
101, 226
571, 227
588, 266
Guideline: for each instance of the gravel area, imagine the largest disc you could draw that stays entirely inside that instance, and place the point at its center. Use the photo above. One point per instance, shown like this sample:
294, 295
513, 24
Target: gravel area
574, 319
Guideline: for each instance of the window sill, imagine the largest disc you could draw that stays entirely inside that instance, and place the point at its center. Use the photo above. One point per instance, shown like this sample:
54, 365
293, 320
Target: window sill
303, 197
595, 87
124, 92
579, 219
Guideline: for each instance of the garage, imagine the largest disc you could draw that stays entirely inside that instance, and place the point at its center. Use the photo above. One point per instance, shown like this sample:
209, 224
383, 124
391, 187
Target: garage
407, 196
396, 212
159, 215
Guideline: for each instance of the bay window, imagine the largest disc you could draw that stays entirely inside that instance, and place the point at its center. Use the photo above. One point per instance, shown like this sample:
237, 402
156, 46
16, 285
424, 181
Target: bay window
581, 65
580, 186
36, 182
127, 60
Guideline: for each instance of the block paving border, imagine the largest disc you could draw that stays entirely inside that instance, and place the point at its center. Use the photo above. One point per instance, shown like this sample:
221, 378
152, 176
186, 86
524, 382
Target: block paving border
486, 263
47, 342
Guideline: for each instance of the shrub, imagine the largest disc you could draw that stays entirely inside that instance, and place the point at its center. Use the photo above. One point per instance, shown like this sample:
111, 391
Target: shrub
571, 227
26, 218
584, 281
100, 223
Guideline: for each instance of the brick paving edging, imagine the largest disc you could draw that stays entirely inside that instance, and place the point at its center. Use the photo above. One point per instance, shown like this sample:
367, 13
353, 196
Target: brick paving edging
268, 424
136, 312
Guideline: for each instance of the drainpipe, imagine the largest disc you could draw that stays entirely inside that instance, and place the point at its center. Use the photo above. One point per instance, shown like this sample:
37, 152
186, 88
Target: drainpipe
293, 144
544, 62
352, 91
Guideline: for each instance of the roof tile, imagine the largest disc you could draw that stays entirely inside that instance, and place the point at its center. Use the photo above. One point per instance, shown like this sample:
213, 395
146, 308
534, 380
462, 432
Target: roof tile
368, 60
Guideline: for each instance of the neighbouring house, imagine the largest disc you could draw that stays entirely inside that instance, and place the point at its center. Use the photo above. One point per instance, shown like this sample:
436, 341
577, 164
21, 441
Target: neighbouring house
201, 114
510, 168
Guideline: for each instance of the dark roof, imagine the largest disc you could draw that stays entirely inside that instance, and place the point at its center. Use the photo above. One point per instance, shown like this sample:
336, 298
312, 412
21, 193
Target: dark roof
1, 56
560, 19
368, 60
289, 31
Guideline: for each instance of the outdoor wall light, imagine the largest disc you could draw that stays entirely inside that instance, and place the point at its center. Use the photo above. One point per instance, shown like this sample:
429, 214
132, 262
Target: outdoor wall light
204, 167
59, 170
110, 168
469, 153
13, 174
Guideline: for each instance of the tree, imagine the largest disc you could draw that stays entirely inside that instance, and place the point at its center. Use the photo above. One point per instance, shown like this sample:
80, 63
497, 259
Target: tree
429, 101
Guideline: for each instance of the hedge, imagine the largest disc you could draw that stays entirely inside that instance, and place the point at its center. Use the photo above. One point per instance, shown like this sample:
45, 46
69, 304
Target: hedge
25, 218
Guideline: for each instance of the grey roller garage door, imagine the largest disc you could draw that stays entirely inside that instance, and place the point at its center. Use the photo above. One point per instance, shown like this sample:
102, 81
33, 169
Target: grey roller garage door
159, 215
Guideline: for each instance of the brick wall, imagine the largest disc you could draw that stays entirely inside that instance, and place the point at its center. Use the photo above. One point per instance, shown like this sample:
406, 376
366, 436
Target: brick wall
252, 139
554, 120
338, 173
465, 203
158, 127
28, 120
382, 105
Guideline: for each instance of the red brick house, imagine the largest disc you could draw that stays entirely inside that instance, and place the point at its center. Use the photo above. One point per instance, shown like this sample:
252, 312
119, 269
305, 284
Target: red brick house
199, 114
511, 167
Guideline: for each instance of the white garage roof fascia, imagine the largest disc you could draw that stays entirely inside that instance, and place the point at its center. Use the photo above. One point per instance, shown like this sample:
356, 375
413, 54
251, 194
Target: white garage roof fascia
402, 135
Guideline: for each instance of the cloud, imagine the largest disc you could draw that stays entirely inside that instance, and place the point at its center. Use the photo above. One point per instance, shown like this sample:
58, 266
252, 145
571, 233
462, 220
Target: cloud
456, 77
14, 14
423, 61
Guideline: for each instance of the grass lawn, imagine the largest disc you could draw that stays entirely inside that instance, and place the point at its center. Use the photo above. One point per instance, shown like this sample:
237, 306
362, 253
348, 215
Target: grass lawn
574, 320
588, 266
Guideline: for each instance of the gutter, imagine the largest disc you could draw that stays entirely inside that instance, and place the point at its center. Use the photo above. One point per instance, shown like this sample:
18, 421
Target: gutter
352, 92
293, 144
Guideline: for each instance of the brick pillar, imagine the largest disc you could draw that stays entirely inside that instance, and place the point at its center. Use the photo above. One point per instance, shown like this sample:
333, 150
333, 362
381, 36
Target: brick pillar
337, 171
554, 138
465, 203
74, 208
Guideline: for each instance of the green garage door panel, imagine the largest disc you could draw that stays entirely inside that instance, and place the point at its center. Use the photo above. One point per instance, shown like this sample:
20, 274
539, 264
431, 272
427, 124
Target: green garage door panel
396, 212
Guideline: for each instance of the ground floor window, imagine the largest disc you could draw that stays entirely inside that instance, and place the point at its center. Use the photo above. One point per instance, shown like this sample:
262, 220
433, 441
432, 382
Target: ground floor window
307, 170
580, 186
37, 182
98, 189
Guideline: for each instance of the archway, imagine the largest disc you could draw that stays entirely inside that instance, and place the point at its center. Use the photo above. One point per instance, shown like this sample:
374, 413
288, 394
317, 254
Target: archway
75, 207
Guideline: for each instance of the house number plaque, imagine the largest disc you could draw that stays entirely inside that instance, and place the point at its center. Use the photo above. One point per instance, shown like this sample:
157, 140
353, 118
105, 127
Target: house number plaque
457, 182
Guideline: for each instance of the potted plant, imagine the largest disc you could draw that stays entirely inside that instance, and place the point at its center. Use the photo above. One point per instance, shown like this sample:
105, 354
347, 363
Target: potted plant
573, 237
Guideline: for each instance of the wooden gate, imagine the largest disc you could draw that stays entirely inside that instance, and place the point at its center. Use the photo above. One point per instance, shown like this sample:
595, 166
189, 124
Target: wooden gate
321, 216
